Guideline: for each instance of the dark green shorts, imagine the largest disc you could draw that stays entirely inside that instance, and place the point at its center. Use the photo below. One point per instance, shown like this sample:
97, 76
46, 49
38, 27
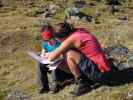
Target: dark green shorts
89, 69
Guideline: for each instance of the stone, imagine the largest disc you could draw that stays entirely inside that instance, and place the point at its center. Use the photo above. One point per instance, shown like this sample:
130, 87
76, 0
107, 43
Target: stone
16, 95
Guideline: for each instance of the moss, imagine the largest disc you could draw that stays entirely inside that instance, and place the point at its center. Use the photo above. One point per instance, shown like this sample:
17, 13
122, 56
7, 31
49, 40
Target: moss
2, 95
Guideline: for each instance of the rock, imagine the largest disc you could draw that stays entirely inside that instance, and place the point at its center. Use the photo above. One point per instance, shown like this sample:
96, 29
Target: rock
117, 49
72, 11
50, 10
16, 95
75, 14
113, 6
53, 8
79, 3
113, 2
87, 18
122, 57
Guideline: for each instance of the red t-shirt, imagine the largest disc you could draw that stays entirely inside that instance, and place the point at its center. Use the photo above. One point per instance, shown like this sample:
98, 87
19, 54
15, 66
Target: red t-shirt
91, 48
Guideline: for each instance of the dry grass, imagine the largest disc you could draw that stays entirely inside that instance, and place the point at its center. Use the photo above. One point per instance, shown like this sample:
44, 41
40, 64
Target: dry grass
19, 33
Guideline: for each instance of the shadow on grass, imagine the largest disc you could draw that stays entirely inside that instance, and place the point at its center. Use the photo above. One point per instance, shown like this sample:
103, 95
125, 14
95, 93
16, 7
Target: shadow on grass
114, 78
117, 77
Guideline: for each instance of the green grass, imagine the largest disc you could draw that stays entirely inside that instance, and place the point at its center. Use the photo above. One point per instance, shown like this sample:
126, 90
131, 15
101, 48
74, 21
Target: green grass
2, 95
19, 32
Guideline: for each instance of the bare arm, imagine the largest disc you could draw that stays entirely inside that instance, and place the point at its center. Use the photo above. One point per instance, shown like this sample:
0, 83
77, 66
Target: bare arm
68, 43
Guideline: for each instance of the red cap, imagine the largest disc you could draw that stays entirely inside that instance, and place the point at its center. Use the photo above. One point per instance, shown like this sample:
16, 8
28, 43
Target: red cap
46, 35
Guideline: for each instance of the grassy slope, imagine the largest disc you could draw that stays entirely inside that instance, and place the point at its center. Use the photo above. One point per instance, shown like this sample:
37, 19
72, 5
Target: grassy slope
18, 33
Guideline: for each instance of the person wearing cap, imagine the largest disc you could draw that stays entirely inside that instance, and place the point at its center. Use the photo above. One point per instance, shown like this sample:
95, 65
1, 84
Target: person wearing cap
84, 55
48, 45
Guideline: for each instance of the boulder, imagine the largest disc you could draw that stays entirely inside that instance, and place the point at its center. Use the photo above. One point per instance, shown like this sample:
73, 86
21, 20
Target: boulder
121, 56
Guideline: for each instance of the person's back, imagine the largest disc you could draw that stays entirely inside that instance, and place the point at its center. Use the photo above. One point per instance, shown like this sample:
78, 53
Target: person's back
92, 49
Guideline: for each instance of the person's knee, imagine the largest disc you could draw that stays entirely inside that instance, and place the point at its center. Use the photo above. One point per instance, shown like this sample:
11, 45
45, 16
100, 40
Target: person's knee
69, 54
72, 55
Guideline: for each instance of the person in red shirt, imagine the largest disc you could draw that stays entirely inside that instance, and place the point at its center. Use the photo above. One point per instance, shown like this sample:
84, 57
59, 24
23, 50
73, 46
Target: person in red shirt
84, 55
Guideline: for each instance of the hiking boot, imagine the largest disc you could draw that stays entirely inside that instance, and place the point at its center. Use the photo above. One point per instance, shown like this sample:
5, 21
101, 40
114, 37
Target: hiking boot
43, 90
54, 87
82, 86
